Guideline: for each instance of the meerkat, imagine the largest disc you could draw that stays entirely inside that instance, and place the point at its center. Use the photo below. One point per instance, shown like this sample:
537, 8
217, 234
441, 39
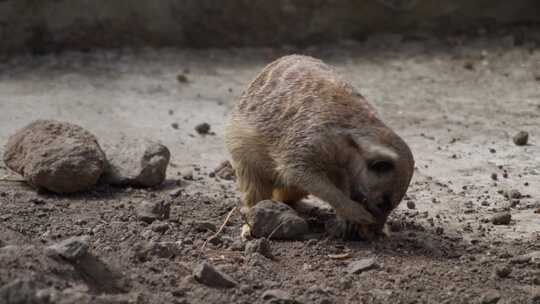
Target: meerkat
300, 129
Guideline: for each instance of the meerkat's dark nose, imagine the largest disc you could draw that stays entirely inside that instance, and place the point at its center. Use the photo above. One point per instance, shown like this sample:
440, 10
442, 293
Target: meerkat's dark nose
386, 204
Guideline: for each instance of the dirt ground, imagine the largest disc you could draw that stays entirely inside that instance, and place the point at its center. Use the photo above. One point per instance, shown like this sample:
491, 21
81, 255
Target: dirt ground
456, 101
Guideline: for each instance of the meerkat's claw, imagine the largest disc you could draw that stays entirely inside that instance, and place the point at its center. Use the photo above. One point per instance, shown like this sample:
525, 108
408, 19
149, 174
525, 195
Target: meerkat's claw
246, 233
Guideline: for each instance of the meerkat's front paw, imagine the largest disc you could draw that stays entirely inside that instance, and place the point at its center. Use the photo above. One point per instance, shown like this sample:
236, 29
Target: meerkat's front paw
350, 231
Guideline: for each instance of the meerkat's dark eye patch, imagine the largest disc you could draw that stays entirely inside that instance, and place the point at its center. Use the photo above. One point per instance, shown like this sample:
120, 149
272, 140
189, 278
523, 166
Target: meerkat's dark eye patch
381, 166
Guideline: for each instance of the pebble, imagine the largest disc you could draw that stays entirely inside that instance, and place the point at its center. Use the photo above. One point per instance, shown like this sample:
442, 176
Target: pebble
501, 218
361, 265
513, 194
490, 297
411, 205
203, 226
145, 250
276, 296
521, 138
149, 211
261, 246
20, 291
159, 226
503, 271
203, 128
71, 249
208, 275
176, 192
181, 78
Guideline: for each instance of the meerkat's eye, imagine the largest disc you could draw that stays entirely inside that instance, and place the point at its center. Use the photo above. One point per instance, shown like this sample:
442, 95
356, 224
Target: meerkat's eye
381, 166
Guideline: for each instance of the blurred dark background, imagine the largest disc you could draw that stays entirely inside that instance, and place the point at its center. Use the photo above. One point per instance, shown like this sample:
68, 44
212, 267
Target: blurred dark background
42, 26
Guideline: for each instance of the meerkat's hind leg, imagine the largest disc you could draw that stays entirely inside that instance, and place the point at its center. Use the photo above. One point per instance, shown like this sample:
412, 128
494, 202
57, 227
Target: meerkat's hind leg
288, 195
256, 186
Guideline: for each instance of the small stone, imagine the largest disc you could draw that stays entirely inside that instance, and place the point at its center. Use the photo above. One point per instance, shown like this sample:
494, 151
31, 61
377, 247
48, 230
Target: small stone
176, 192
19, 291
202, 128
159, 226
57, 156
145, 250
175, 125
521, 138
261, 246
137, 163
276, 220
277, 296
411, 205
71, 249
494, 176
361, 265
225, 171
237, 245
208, 275
513, 194
188, 175
182, 78
149, 211
469, 65
203, 226
501, 218
490, 297
503, 271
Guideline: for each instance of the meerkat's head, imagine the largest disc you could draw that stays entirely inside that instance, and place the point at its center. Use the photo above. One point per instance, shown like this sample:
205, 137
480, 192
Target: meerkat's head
380, 169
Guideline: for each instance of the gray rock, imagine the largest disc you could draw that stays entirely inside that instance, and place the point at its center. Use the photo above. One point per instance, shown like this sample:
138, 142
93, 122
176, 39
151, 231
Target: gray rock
176, 192
531, 257
490, 297
277, 296
521, 138
60, 157
137, 163
203, 226
411, 205
159, 226
202, 128
261, 246
275, 219
20, 292
208, 275
503, 271
501, 218
149, 211
144, 251
361, 265
71, 249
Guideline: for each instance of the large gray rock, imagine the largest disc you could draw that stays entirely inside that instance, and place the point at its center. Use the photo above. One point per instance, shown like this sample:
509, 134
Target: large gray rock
275, 220
71, 249
58, 156
138, 163
20, 292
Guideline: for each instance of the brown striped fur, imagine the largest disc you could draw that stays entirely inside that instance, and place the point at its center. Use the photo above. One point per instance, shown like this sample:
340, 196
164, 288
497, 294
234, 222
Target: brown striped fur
300, 129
